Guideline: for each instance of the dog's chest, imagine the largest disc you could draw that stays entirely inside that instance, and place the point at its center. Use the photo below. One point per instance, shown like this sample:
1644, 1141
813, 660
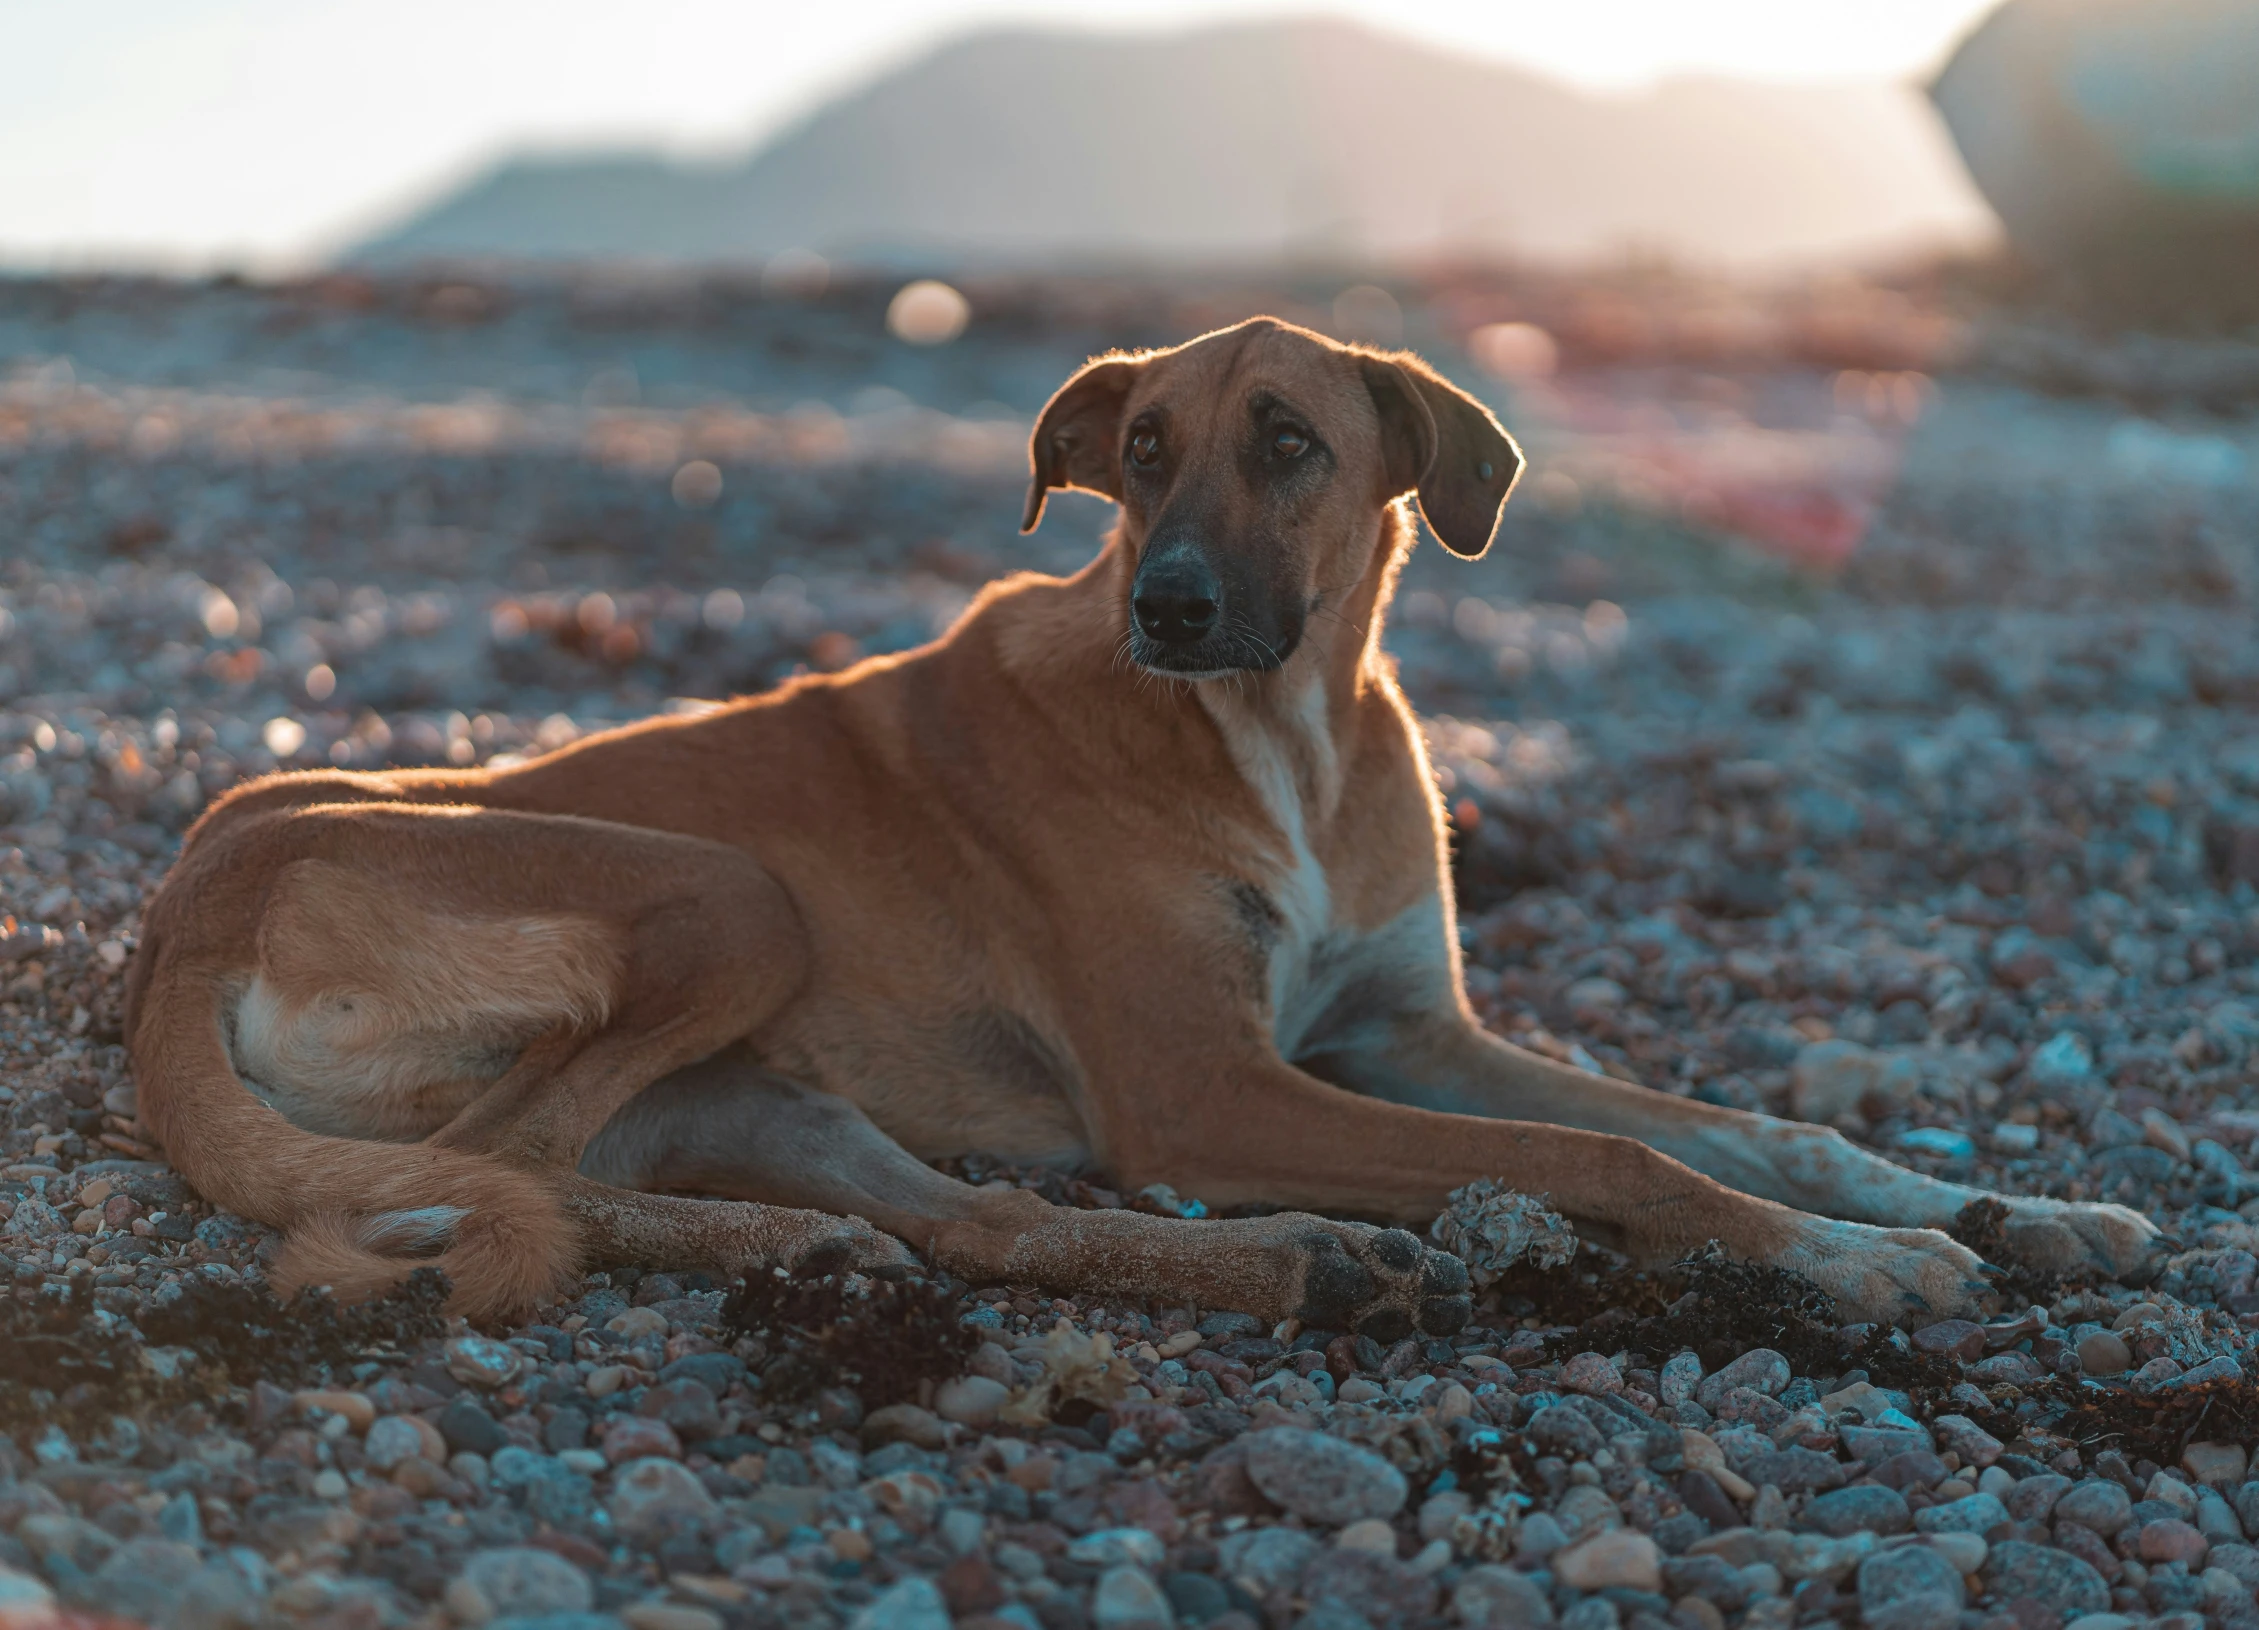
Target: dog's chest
1331, 985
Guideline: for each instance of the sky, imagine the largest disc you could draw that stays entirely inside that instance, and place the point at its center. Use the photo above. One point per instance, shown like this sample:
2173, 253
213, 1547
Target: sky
203, 134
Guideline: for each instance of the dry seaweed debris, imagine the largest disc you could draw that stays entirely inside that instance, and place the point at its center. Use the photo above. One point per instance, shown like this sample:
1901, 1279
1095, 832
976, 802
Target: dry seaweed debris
1077, 1369
1492, 1228
65, 1359
879, 1337
1722, 1309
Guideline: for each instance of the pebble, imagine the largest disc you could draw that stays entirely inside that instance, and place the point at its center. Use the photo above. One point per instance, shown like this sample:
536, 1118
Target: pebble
391, 1440
354, 1406
1128, 1599
911, 1604
1498, 1598
671, 1616
1118, 1548
970, 1400
2168, 1539
637, 1437
1322, 1479
2104, 1353
2058, 1581
519, 1582
2218, 1464
1910, 1588
1617, 1559
1867, 1507
477, 1361
1761, 1370
647, 1493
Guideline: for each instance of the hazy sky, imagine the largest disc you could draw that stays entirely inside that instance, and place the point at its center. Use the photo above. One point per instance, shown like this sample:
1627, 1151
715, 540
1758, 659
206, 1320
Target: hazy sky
260, 132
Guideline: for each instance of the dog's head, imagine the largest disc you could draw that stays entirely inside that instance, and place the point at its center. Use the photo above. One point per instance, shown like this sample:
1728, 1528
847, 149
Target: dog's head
1251, 465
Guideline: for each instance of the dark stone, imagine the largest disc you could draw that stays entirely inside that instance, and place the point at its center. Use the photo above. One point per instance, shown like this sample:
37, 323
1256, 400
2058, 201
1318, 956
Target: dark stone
567, 1429
469, 1429
1916, 1468
1864, 1507
1224, 1326
1793, 1471
1702, 1496
716, 1372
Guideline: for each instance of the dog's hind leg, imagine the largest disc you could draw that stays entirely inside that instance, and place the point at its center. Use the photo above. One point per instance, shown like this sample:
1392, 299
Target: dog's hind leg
725, 1127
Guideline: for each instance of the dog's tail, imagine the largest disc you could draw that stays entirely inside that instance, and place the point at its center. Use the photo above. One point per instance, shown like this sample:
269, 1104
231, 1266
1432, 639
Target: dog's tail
358, 1217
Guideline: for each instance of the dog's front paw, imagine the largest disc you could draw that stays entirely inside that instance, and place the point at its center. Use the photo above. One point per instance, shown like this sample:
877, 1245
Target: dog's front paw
1378, 1282
2065, 1237
1907, 1276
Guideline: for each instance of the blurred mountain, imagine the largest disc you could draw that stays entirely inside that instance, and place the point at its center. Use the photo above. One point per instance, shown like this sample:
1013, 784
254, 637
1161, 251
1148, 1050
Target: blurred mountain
1313, 137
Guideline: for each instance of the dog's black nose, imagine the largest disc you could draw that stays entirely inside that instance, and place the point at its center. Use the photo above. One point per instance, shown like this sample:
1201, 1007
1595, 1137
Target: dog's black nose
1175, 602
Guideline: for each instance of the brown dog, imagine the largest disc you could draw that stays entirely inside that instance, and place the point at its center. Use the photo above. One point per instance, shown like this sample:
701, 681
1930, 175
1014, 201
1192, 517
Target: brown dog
1141, 869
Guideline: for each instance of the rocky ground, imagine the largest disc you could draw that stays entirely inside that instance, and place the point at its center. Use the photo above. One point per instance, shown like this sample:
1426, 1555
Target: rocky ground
1954, 849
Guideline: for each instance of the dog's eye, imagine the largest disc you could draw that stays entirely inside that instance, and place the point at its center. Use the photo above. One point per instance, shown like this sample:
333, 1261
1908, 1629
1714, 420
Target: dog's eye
1145, 448
1290, 444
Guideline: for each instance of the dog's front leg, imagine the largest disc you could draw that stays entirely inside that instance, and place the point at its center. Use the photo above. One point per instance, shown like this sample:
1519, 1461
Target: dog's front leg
1270, 1133
1447, 1062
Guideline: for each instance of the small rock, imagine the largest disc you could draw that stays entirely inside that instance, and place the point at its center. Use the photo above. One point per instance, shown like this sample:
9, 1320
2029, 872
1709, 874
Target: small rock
2033, 1499
1966, 1438
637, 1323
2064, 1062
638, 1437
649, 1494
1323, 1479
671, 1616
904, 1423
1952, 1338
469, 1429
1591, 1373
143, 1578
1965, 1551
1118, 1548
1128, 1599
1680, 1376
478, 1361
2104, 1353
686, 1405
1491, 1597
2097, 1504
1368, 1534
1863, 1508
521, 1581
2057, 1580
354, 1406
1761, 1370
1261, 1560
2168, 1539
2218, 1464
913, 1603
1619, 1558
1910, 1588
969, 1400
1972, 1514
393, 1439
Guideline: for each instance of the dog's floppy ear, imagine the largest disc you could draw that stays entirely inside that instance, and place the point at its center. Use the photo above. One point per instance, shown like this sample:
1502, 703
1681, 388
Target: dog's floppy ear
1077, 441
1443, 444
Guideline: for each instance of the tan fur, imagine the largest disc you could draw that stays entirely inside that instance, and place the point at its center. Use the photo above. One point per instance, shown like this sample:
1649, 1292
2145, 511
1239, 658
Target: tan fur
1014, 891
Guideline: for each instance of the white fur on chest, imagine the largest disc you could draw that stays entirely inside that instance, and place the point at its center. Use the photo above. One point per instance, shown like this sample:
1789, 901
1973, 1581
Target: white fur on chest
1317, 964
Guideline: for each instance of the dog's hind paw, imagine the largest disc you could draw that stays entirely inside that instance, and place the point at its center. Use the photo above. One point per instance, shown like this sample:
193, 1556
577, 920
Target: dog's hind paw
2065, 1237
850, 1245
1378, 1282
1903, 1276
